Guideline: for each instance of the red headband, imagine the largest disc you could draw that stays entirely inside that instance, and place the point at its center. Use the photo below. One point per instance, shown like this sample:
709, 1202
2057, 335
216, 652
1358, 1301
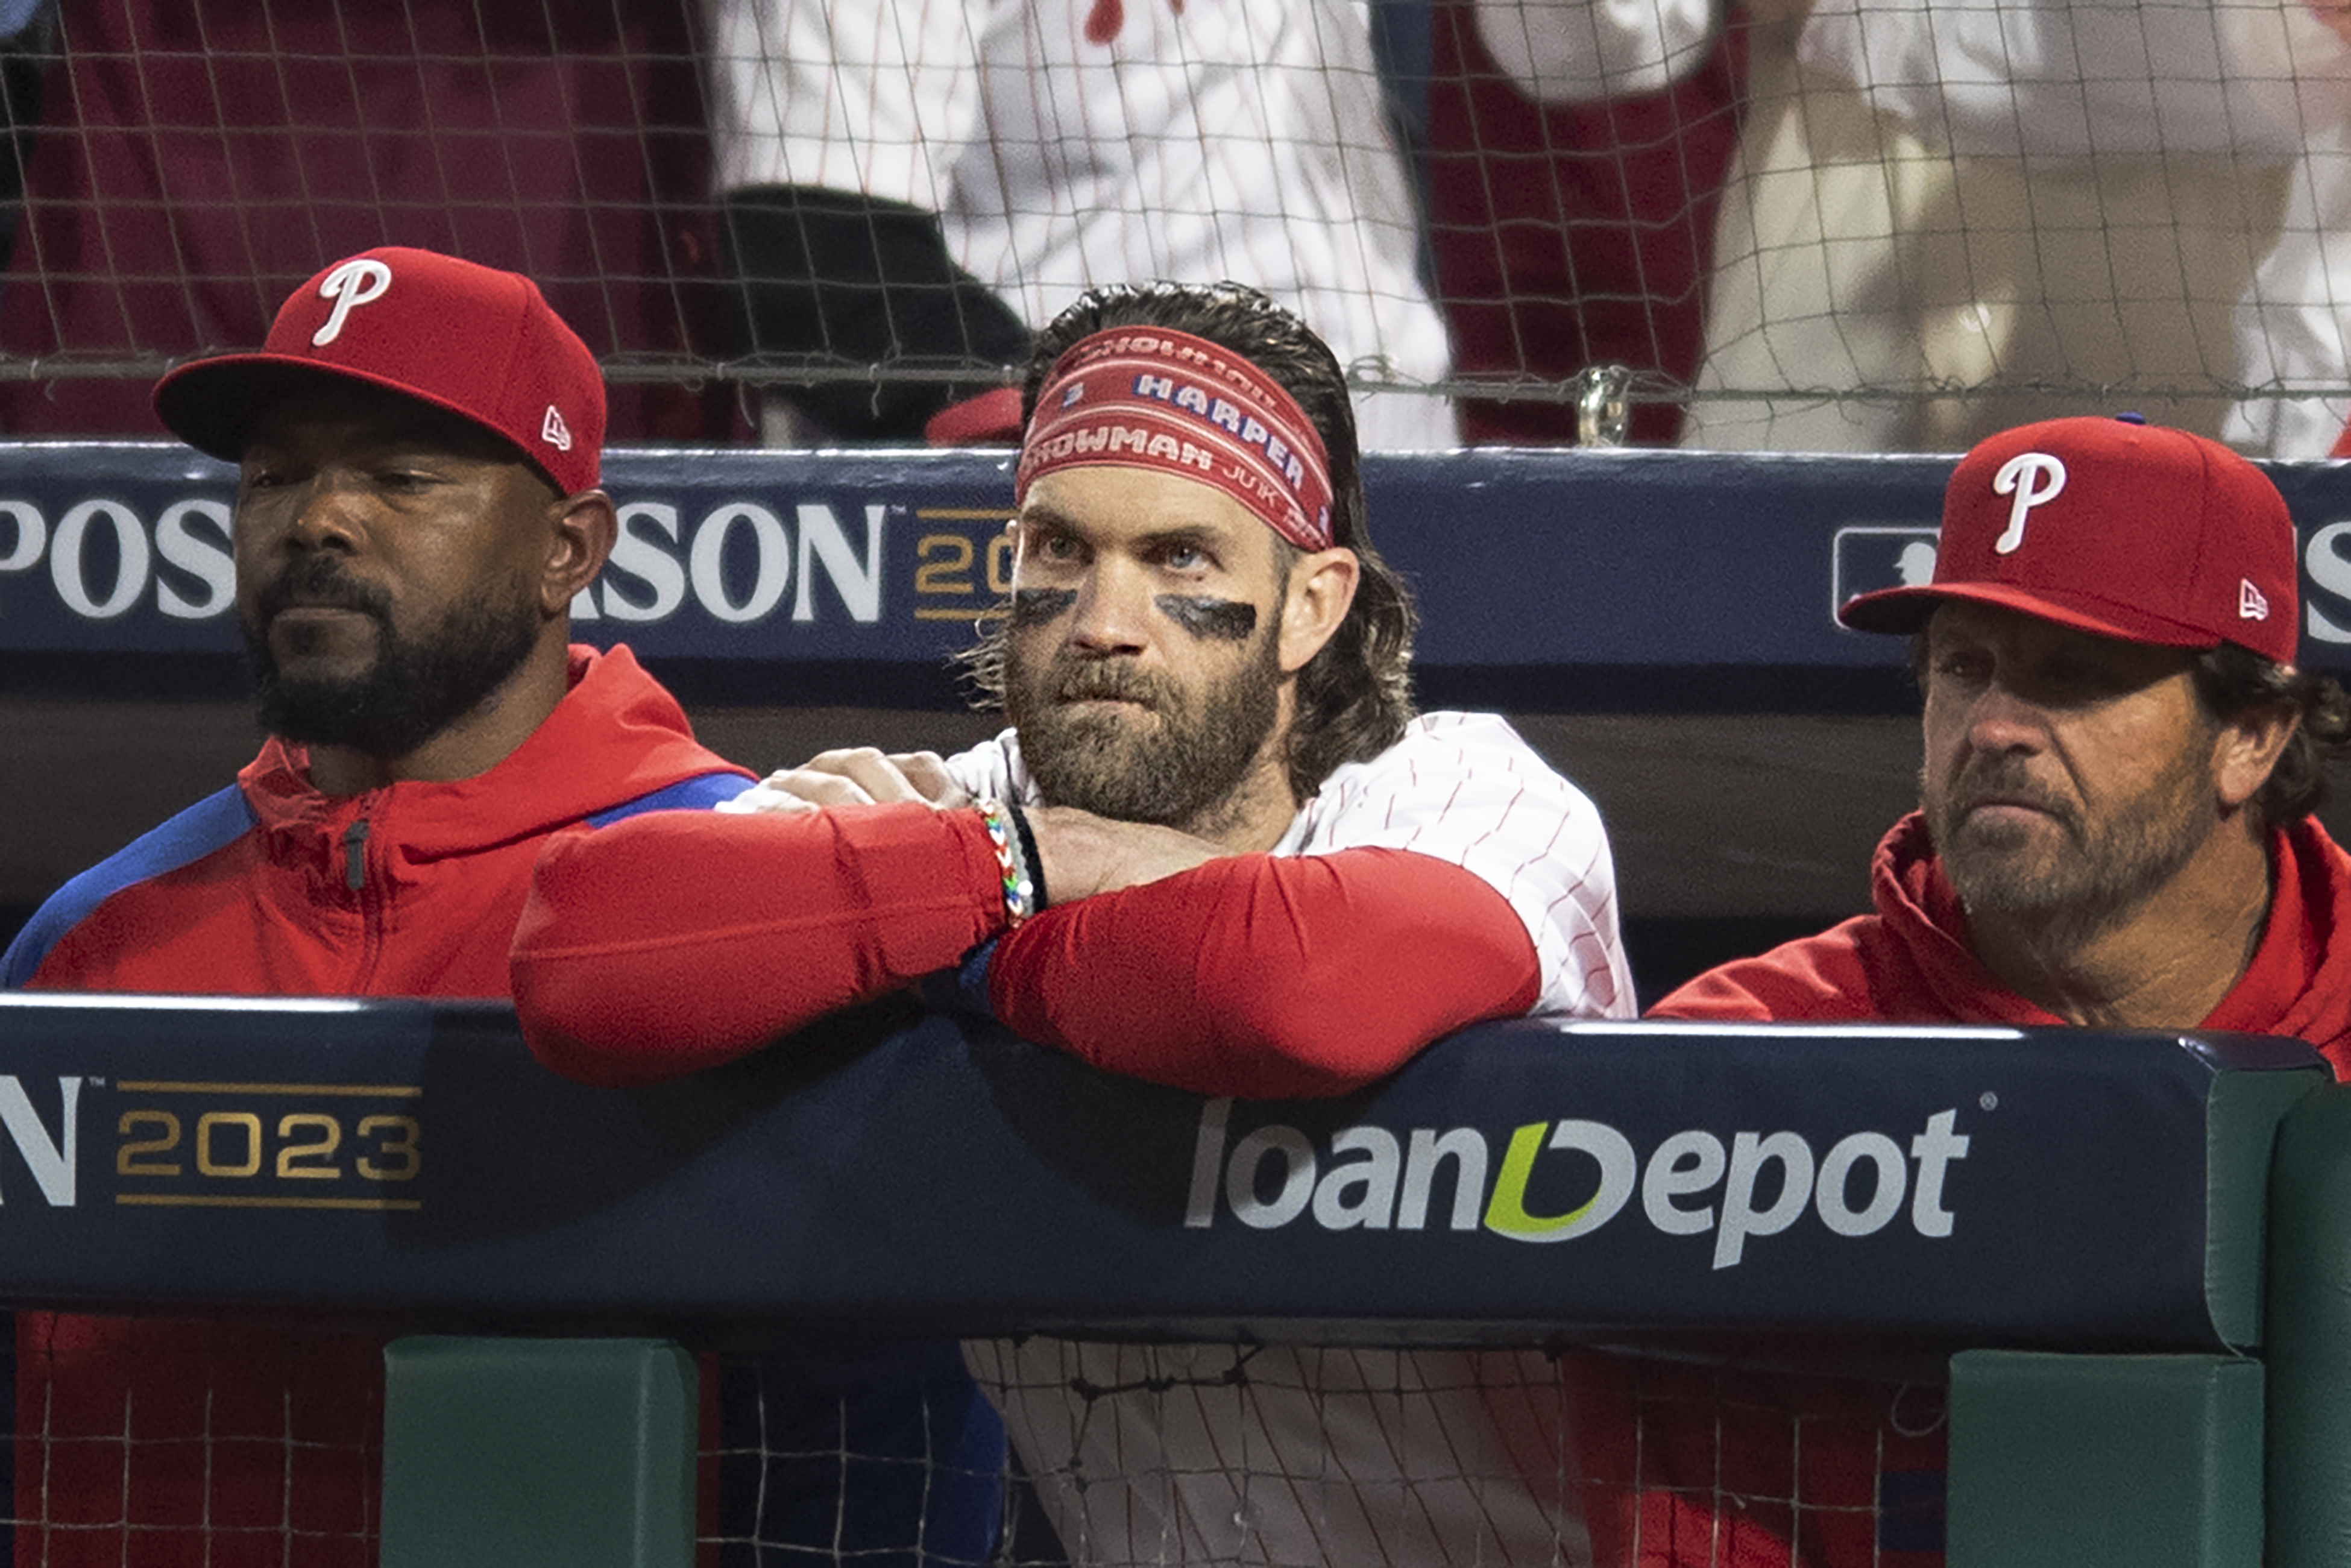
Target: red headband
1147, 397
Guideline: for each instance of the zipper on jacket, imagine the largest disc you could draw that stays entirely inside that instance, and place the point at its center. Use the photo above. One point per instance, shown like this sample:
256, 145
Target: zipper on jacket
355, 855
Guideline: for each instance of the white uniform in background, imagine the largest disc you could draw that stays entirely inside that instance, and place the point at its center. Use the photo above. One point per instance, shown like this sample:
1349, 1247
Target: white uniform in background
1161, 1456
2198, 102
1070, 143
2294, 325
2146, 194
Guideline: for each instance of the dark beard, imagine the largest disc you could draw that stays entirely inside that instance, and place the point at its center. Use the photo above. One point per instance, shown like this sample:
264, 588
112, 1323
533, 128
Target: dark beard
1179, 772
419, 684
2103, 872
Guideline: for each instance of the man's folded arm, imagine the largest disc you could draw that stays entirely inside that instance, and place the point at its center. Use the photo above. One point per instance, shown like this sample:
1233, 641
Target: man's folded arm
1266, 976
679, 940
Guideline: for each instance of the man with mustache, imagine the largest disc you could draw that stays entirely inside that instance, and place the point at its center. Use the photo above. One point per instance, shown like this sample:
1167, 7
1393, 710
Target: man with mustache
418, 447
2121, 763
1216, 850
2115, 830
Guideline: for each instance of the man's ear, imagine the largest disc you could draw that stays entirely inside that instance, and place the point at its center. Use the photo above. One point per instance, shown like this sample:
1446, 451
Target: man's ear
583, 528
1321, 588
2247, 749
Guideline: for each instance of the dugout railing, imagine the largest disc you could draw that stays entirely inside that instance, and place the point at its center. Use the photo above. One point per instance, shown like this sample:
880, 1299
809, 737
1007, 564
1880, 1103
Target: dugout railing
2126, 1248
1660, 625
1548, 580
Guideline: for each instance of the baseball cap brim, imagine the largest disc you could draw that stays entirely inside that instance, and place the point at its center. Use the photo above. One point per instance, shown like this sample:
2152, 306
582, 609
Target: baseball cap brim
1905, 610
212, 404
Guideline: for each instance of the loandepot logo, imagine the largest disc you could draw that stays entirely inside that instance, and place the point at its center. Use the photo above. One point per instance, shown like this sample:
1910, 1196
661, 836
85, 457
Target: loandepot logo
1758, 1184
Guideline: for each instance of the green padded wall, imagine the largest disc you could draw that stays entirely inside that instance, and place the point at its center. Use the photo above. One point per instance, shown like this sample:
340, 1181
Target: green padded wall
531, 1453
2105, 1462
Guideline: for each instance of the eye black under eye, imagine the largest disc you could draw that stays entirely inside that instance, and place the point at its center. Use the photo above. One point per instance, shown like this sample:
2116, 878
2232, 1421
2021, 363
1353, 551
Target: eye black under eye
1215, 619
1036, 606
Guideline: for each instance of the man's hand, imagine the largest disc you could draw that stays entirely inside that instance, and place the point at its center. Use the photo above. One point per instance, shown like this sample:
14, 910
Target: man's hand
1085, 854
855, 776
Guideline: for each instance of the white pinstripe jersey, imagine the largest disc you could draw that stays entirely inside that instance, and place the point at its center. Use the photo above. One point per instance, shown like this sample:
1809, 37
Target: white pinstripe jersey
1070, 143
1464, 787
1289, 1458
2221, 91
1279, 1456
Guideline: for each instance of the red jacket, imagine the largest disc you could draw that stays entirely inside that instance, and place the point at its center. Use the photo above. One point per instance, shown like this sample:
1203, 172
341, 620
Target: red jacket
1863, 1459
248, 1437
270, 888
1910, 962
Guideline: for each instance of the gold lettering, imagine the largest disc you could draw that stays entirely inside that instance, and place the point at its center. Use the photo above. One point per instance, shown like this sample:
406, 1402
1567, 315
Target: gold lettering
945, 558
245, 1122
127, 1160
294, 1160
399, 1146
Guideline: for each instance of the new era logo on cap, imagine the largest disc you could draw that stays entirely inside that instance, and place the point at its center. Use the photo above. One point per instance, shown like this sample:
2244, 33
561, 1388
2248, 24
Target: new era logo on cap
2114, 526
480, 342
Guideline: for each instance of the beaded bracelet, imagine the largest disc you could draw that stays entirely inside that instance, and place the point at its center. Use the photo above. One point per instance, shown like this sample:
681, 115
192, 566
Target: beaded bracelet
1031, 862
1007, 834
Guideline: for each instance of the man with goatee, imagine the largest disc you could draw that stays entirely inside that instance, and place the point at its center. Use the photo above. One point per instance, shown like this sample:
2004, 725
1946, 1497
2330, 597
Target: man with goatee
1216, 848
2115, 830
2121, 763
419, 447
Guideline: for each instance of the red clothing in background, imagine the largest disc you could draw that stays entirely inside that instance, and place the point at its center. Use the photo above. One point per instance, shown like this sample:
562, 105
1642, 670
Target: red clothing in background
198, 159
1910, 962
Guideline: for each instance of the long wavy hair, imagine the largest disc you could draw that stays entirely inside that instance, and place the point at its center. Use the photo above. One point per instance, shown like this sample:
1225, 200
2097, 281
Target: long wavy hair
2232, 681
1355, 696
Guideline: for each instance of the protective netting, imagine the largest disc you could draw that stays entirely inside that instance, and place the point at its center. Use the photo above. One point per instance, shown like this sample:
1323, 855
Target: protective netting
1868, 224
259, 1440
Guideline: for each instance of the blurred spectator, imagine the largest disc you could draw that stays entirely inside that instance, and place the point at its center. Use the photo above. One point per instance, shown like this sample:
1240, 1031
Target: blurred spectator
1576, 157
2293, 326
1951, 217
914, 188
1976, 212
202, 158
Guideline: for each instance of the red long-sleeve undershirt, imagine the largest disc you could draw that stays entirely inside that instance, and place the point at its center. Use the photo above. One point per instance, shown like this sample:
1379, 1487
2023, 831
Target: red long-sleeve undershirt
677, 941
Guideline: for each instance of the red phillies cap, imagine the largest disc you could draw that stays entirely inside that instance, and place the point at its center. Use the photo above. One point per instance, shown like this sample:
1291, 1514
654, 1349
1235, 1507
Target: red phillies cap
480, 342
2116, 527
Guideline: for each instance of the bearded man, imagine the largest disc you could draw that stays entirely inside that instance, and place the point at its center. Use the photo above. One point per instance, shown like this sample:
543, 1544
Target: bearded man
418, 450
1215, 849
2121, 763
2114, 830
418, 447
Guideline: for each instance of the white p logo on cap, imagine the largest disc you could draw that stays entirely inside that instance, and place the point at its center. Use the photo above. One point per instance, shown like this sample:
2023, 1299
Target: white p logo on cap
353, 284
2034, 479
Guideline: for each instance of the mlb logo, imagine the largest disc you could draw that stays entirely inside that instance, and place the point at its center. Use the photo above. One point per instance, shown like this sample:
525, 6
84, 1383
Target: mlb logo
1866, 556
1073, 395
